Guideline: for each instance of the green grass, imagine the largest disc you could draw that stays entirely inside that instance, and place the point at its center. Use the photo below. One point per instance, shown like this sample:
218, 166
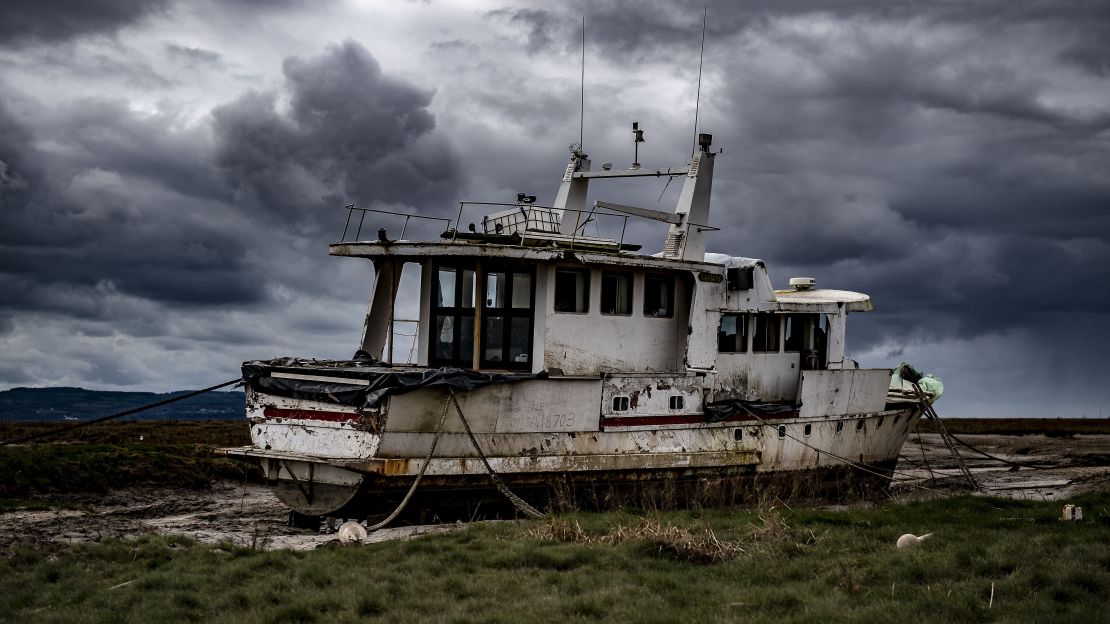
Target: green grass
1042, 570
113, 455
211, 432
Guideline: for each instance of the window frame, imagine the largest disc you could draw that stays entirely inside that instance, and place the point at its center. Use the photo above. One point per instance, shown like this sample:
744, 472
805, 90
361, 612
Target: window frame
588, 274
631, 277
745, 316
668, 278
775, 323
508, 313
455, 312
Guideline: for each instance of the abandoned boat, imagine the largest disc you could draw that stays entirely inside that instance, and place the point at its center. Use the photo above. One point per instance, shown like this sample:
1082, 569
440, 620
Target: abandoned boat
573, 365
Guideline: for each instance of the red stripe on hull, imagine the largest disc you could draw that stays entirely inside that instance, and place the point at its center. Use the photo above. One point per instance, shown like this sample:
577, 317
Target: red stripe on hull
300, 414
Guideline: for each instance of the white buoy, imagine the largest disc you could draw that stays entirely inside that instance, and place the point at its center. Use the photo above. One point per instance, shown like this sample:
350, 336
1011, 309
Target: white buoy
909, 540
352, 533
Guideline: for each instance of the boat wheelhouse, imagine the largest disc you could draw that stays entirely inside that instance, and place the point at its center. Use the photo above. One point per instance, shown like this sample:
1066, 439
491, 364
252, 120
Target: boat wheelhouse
579, 362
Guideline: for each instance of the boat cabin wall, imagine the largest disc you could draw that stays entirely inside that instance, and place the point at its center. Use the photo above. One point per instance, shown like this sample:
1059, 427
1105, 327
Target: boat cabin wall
756, 346
600, 320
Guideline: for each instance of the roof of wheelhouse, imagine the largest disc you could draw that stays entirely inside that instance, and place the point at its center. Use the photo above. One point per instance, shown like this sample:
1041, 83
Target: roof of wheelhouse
416, 250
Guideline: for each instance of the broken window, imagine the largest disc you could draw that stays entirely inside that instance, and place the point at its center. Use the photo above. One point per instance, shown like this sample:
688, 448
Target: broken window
616, 293
659, 295
572, 290
732, 334
765, 337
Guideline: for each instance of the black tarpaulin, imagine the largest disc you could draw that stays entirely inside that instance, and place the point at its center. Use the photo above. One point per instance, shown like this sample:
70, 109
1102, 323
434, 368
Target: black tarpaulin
718, 411
363, 386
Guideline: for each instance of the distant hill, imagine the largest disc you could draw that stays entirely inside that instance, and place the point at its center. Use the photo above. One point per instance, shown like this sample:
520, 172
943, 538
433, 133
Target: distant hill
56, 404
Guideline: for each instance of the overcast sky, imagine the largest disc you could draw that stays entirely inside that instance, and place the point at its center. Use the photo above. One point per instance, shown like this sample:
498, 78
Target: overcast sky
171, 172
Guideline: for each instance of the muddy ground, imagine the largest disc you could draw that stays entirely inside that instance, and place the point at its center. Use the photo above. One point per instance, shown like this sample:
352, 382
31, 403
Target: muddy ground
1051, 468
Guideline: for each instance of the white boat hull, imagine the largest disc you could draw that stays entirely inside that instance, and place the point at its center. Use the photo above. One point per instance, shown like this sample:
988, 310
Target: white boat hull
328, 459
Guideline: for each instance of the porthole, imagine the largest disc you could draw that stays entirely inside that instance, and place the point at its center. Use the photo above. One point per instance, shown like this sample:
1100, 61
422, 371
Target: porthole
808, 429
782, 431
620, 404
738, 435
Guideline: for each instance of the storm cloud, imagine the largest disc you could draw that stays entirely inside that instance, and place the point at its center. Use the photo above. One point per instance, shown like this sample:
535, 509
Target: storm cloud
177, 195
351, 133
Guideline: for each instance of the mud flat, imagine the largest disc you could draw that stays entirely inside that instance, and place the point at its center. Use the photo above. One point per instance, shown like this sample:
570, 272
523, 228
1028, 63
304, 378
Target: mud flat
245, 514
236, 513
1033, 467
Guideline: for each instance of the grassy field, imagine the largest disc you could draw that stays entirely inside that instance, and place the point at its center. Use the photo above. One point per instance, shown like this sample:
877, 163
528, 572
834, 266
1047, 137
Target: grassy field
118, 454
760, 565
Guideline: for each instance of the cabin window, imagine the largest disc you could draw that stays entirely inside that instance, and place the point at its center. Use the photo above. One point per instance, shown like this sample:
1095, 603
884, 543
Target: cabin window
803, 334
507, 319
800, 331
453, 316
782, 431
839, 427
616, 293
677, 402
738, 435
765, 338
620, 404
859, 425
572, 290
808, 429
659, 295
732, 334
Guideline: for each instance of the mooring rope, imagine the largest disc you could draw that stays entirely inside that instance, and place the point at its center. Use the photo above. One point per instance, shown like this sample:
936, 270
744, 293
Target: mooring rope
869, 468
134, 410
420, 475
1005, 461
517, 501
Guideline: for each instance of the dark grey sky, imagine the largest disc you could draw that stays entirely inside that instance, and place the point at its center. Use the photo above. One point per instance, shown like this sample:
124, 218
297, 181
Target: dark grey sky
171, 172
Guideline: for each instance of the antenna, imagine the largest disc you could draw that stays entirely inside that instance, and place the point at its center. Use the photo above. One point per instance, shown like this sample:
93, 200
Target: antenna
638, 138
582, 91
701, 61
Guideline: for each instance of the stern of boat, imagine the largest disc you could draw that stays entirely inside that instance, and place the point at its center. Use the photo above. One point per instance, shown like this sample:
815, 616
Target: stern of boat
312, 453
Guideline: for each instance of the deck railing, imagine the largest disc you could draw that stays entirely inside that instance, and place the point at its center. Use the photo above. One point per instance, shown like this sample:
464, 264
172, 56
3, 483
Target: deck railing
362, 218
582, 218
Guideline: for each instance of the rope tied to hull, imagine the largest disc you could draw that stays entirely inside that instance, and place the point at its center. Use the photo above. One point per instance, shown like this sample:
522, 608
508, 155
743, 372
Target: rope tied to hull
517, 501
419, 476
860, 466
930, 413
134, 410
